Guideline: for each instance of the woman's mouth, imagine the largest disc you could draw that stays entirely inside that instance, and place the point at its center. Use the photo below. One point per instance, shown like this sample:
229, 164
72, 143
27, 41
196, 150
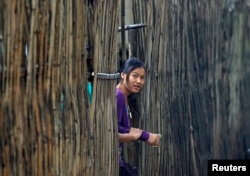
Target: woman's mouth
137, 88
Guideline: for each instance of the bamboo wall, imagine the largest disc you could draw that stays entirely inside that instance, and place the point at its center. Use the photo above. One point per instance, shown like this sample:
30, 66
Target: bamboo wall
197, 58
47, 125
103, 111
196, 93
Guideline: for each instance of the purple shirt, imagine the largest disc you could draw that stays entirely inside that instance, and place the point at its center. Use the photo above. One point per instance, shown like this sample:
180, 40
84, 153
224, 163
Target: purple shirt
123, 118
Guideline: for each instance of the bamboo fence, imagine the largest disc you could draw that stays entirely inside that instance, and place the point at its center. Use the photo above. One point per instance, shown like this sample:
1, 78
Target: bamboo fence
196, 92
47, 124
197, 58
103, 111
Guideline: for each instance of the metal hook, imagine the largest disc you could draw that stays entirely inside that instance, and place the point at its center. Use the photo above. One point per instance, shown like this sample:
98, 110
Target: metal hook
105, 75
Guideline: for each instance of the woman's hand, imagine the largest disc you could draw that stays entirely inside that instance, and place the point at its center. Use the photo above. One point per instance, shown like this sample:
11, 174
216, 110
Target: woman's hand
135, 133
154, 139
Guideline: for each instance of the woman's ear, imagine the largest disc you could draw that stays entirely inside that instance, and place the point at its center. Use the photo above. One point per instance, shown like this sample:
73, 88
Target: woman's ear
122, 75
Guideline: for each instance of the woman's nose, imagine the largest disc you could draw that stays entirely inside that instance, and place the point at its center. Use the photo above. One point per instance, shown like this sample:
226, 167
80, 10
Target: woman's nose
139, 80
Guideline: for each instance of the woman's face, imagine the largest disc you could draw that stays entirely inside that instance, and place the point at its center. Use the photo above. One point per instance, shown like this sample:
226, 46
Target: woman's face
135, 80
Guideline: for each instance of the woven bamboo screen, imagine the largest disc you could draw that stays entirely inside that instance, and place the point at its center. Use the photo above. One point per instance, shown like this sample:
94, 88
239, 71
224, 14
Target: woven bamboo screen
47, 125
197, 58
196, 93
103, 112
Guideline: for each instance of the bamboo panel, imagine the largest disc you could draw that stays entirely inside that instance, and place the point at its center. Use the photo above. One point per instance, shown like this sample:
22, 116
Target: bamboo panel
195, 81
44, 112
103, 112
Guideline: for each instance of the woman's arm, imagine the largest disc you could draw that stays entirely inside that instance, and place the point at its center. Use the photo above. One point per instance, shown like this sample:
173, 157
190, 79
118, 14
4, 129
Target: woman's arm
133, 135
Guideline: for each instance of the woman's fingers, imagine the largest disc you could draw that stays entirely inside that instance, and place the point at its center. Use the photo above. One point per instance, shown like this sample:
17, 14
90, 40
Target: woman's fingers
135, 132
154, 139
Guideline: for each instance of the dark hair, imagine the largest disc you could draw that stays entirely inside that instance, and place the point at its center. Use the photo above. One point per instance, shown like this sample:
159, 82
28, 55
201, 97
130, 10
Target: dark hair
131, 64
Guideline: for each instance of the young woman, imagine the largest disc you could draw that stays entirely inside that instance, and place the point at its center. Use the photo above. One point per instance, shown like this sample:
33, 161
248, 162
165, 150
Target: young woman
132, 81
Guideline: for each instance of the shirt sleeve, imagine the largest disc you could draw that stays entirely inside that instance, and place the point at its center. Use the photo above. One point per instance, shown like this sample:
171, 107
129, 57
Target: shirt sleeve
121, 114
144, 136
